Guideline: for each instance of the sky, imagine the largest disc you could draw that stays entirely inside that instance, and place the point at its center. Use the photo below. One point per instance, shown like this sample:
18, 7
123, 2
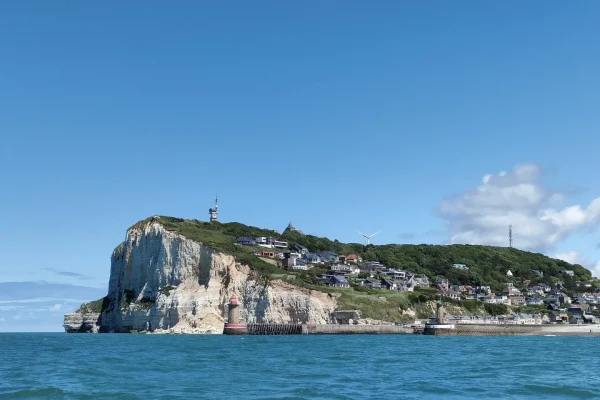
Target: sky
432, 122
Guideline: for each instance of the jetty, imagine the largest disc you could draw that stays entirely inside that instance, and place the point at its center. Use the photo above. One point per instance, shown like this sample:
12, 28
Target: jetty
437, 327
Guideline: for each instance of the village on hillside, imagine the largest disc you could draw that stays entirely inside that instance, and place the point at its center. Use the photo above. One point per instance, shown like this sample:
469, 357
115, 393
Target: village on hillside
350, 270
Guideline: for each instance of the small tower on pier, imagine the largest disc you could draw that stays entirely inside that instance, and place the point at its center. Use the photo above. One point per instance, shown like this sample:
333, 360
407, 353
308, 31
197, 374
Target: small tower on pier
233, 325
214, 212
439, 315
234, 311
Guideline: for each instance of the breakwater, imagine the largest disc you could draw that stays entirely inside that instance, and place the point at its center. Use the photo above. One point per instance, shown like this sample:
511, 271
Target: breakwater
457, 329
314, 329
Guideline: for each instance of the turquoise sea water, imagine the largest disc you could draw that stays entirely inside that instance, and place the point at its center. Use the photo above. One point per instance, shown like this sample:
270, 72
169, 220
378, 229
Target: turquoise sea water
85, 366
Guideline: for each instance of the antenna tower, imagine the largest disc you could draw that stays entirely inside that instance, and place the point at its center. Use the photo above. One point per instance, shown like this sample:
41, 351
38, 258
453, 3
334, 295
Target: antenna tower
510, 240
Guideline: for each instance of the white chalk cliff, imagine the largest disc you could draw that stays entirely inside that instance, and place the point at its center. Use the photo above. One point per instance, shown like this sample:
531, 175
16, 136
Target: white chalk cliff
163, 281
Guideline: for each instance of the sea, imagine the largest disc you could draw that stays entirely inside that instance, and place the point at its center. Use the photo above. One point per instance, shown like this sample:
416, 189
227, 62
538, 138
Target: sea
123, 366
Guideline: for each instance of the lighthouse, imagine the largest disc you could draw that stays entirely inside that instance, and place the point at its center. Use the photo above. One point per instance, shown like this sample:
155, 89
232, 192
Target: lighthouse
233, 325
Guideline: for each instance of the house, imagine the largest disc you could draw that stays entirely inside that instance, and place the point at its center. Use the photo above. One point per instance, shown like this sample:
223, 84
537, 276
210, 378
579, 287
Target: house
353, 258
563, 298
291, 255
589, 319
552, 300
338, 281
534, 301
559, 285
576, 319
266, 254
524, 319
442, 283
543, 287
486, 289
264, 241
405, 287
494, 299
421, 281
312, 258
300, 249
538, 273
450, 294
280, 244
517, 300
342, 259
567, 272
373, 265
388, 284
346, 269
329, 256
246, 241
579, 308
371, 283
395, 274
297, 264
509, 273
460, 266
557, 317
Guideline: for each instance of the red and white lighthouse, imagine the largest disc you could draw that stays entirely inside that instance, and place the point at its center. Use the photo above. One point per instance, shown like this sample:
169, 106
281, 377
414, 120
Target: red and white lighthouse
233, 325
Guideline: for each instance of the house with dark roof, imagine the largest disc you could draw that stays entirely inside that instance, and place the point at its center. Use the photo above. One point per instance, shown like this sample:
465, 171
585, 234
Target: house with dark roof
442, 283
246, 241
388, 284
534, 301
312, 258
338, 281
370, 283
329, 256
300, 249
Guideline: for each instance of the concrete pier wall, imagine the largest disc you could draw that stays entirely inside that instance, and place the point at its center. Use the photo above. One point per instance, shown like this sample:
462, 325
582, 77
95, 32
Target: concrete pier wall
330, 329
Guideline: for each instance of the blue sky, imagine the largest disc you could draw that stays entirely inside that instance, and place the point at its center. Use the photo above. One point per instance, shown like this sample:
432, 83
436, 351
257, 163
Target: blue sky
337, 116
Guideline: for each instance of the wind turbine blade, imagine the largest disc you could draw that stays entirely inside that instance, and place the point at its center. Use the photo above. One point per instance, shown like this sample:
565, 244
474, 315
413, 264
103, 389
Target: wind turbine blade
362, 234
375, 233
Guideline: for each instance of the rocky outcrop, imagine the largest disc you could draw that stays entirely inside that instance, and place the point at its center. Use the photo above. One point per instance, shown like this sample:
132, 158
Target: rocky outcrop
162, 281
82, 322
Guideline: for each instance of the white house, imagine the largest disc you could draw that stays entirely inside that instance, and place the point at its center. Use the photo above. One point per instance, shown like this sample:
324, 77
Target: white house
509, 273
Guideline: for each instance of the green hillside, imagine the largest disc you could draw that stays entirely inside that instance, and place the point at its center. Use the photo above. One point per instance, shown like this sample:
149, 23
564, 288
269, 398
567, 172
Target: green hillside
487, 264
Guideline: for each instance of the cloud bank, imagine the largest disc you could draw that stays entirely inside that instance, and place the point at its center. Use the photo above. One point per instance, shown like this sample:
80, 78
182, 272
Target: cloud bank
482, 215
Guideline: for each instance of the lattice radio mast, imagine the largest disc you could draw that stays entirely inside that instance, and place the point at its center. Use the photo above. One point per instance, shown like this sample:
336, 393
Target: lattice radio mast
510, 241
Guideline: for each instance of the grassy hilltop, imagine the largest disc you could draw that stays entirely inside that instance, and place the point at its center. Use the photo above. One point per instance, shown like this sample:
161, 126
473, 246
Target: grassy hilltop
487, 265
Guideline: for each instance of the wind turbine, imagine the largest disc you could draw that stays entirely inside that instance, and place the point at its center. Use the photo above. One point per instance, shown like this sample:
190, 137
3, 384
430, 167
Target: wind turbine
368, 237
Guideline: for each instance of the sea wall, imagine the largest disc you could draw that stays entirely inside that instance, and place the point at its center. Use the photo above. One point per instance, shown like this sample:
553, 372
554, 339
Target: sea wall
164, 282
526, 330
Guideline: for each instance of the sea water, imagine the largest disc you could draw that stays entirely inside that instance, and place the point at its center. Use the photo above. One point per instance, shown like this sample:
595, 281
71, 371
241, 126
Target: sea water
121, 366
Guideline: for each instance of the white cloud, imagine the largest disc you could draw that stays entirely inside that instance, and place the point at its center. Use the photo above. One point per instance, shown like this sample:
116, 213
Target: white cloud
55, 308
572, 257
482, 215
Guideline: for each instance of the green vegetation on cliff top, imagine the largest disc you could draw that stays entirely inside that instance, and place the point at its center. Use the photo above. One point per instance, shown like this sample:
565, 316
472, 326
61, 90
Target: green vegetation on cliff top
487, 265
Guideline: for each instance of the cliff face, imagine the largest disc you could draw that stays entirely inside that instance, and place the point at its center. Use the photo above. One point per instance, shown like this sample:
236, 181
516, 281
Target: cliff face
160, 280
